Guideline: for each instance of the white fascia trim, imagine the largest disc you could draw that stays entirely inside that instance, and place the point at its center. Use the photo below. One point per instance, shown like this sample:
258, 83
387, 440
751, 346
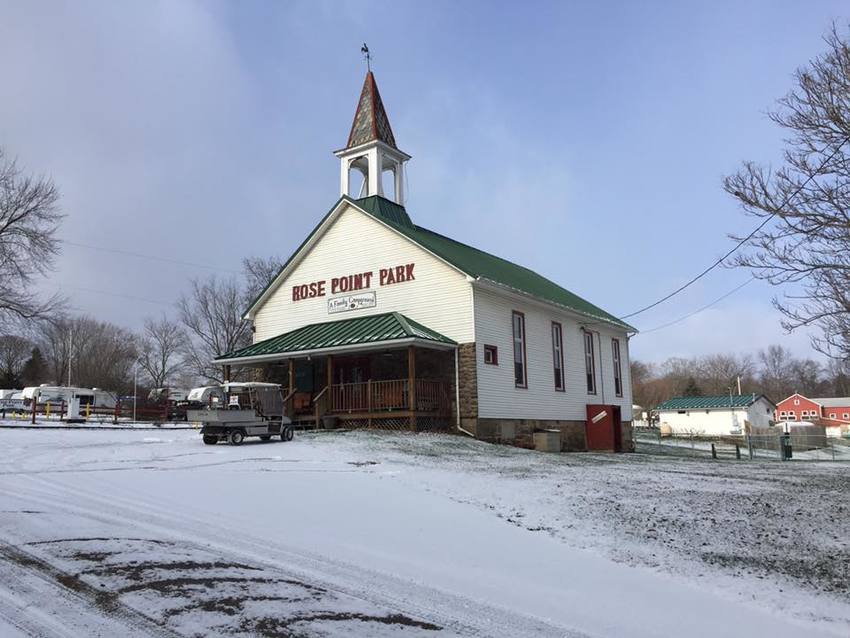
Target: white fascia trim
318, 233
366, 145
412, 241
507, 291
354, 347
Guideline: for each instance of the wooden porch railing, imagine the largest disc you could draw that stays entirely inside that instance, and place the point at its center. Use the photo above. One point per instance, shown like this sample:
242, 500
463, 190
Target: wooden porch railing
433, 396
391, 395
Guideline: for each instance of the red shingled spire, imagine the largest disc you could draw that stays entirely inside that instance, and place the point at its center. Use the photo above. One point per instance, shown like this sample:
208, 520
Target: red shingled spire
370, 121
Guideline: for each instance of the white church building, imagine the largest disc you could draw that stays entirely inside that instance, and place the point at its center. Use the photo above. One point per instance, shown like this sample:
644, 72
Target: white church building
376, 321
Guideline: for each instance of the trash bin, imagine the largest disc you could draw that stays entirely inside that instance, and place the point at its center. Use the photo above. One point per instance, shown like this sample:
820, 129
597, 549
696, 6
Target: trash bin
785, 445
330, 421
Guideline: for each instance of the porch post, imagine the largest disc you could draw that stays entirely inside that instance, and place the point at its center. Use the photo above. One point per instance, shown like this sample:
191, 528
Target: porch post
411, 384
291, 375
330, 382
290, 404
226, 373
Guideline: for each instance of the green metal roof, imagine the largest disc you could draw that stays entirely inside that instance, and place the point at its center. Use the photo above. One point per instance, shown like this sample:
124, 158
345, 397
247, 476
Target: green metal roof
475, 263
390, 326
387, 210
712, 402
480, 264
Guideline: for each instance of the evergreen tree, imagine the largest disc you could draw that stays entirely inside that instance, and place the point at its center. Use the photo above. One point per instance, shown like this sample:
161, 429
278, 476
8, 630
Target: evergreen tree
34, 370
692, 389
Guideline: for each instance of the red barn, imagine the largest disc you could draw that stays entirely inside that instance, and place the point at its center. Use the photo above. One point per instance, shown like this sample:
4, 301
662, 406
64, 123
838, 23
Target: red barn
800, 408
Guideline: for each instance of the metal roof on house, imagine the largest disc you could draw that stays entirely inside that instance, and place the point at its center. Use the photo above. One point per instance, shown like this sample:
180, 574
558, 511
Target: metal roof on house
712, 402
390, 326
482, 265
832, 402
471, 261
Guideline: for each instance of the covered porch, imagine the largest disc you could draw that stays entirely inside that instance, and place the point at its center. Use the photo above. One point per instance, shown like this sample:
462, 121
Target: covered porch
382, 371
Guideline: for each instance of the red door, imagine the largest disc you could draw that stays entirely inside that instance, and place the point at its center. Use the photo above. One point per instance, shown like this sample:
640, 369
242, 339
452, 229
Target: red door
600, 427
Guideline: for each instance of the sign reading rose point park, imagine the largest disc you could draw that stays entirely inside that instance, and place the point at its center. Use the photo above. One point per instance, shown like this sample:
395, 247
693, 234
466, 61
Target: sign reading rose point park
353, 282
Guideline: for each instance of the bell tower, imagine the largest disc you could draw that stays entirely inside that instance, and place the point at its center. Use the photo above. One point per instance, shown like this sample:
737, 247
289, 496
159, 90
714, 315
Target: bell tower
371, 150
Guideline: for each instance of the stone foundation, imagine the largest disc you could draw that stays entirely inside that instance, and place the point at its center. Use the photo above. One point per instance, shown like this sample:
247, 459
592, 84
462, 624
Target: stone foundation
520, 432
468, 377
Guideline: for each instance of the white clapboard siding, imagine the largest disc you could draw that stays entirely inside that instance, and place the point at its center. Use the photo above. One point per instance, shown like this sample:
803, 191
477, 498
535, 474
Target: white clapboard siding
440, 297
497, 395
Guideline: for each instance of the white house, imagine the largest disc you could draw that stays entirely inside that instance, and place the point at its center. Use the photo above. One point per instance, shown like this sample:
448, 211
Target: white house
720, 415
375, 320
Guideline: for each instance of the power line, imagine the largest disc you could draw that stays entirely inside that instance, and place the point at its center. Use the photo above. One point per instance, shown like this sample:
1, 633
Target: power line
745, 239
116, 294
150, 257
698, 310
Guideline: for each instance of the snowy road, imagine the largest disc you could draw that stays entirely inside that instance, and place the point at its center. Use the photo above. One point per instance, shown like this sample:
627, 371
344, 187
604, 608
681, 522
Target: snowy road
152, 533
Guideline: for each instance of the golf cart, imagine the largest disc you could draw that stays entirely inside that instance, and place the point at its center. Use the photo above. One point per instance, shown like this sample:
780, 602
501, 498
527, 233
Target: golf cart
249, 409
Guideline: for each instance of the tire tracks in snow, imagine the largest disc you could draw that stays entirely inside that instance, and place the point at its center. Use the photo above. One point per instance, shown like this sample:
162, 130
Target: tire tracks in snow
20, 611
456, 613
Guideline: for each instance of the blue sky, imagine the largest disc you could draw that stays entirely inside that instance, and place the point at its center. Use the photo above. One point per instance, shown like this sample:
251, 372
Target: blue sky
585, 140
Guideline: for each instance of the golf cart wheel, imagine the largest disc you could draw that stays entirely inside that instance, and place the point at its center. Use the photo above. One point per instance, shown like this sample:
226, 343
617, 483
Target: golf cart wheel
210, 439
236, 437
266, 437
287, 433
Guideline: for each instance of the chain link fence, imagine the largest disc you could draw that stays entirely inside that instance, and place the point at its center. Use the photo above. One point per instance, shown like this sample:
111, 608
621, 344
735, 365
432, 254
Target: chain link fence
762, 447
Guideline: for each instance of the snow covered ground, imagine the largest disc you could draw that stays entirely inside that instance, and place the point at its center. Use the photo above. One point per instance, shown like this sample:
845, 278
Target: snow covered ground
106, 533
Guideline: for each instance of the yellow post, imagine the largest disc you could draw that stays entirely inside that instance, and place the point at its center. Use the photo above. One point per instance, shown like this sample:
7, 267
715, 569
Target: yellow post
88, 410
47, 410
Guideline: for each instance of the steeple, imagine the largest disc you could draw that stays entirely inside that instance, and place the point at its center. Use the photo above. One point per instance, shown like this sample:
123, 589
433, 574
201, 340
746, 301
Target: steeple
370, 121
371, 149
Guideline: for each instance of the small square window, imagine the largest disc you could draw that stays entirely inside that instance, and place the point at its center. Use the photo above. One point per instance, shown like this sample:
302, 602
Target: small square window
796, 401
846, 416
491, 355
832, 415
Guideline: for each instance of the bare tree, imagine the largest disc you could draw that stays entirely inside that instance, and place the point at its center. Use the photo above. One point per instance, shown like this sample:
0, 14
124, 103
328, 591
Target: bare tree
160, 350
100, 354
776, 376
806, 374
212, 316
29, 221
14, 353
259, 273
805, 204
720, 372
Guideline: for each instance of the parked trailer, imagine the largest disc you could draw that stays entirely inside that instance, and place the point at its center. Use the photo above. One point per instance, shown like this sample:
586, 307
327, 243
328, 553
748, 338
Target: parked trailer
250, 409
44, 393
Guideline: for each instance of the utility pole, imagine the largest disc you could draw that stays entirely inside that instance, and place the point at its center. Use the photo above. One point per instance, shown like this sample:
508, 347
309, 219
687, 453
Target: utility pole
739, 384
135, 384
70, 353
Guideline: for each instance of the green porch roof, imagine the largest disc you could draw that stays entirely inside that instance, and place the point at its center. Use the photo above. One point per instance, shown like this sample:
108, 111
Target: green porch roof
390, 326
472, 261
711, 402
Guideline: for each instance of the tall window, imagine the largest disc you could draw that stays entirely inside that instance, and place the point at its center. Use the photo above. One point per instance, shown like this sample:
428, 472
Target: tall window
589, 363
520, 367
618, 369
558, 355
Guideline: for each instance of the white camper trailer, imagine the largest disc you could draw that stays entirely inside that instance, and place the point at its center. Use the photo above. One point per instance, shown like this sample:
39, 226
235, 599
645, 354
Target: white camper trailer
94, 397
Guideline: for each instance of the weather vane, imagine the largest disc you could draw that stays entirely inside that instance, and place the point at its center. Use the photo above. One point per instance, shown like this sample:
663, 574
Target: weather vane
366, 56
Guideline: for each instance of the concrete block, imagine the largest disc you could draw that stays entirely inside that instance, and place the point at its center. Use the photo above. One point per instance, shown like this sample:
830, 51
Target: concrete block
508, 430
547, 441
